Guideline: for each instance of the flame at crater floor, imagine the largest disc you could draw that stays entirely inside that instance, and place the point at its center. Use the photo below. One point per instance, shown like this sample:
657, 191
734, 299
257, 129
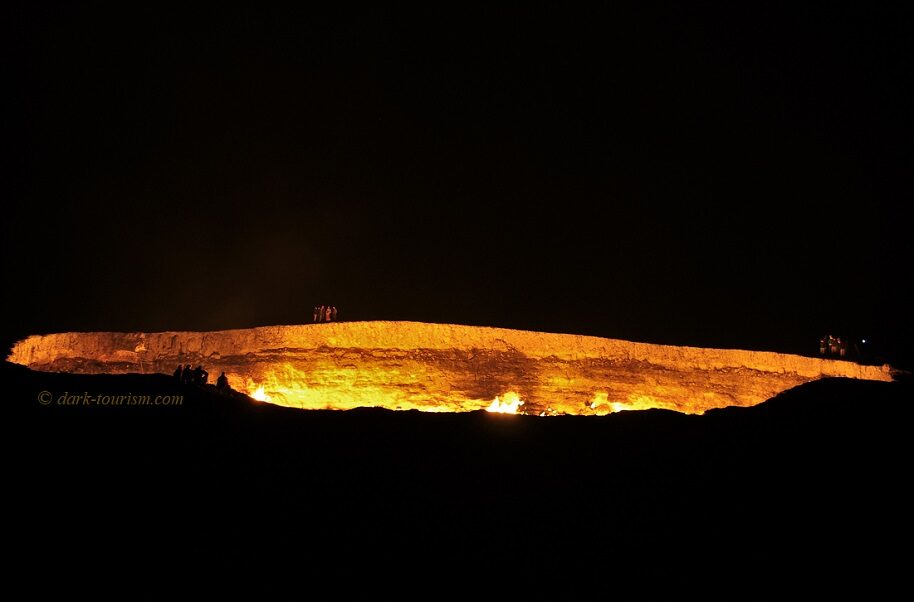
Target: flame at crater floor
509, 405
446, 368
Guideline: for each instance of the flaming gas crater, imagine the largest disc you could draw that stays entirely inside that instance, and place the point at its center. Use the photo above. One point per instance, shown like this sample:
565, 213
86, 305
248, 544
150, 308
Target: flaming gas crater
445, 368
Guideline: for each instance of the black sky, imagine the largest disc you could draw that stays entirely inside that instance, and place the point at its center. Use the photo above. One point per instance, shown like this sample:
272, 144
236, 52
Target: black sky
735, 175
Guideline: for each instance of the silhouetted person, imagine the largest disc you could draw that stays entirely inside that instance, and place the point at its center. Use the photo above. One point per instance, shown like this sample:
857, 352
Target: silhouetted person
320, 313
200, 375
316, 310
328, 315
179, 376
222, 383
187, 375
333, 313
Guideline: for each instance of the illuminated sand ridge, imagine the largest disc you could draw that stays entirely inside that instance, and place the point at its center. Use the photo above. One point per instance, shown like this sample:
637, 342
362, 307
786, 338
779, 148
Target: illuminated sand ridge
444, 367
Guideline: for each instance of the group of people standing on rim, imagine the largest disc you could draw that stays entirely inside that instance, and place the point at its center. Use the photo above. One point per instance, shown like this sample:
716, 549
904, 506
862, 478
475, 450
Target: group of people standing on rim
325, 313
198, 376
832, 345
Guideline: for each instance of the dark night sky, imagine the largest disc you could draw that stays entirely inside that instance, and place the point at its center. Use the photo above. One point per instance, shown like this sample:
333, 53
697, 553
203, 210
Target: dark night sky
734, 176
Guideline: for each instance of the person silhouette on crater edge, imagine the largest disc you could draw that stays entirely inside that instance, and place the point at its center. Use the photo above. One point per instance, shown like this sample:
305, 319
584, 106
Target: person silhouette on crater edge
200, 376
222, 382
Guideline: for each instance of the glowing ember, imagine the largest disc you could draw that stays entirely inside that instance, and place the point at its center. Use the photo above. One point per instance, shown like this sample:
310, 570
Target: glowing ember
508, 405
260, 395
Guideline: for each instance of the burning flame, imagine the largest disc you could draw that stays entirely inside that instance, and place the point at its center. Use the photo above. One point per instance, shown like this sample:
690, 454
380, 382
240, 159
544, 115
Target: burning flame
260, 394
601, 405
600, 398
509, 405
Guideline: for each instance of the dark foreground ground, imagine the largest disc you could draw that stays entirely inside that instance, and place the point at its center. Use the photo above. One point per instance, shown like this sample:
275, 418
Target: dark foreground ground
223, 496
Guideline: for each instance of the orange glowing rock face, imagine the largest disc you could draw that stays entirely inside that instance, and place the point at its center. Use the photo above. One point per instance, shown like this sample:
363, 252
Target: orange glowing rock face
446, 368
